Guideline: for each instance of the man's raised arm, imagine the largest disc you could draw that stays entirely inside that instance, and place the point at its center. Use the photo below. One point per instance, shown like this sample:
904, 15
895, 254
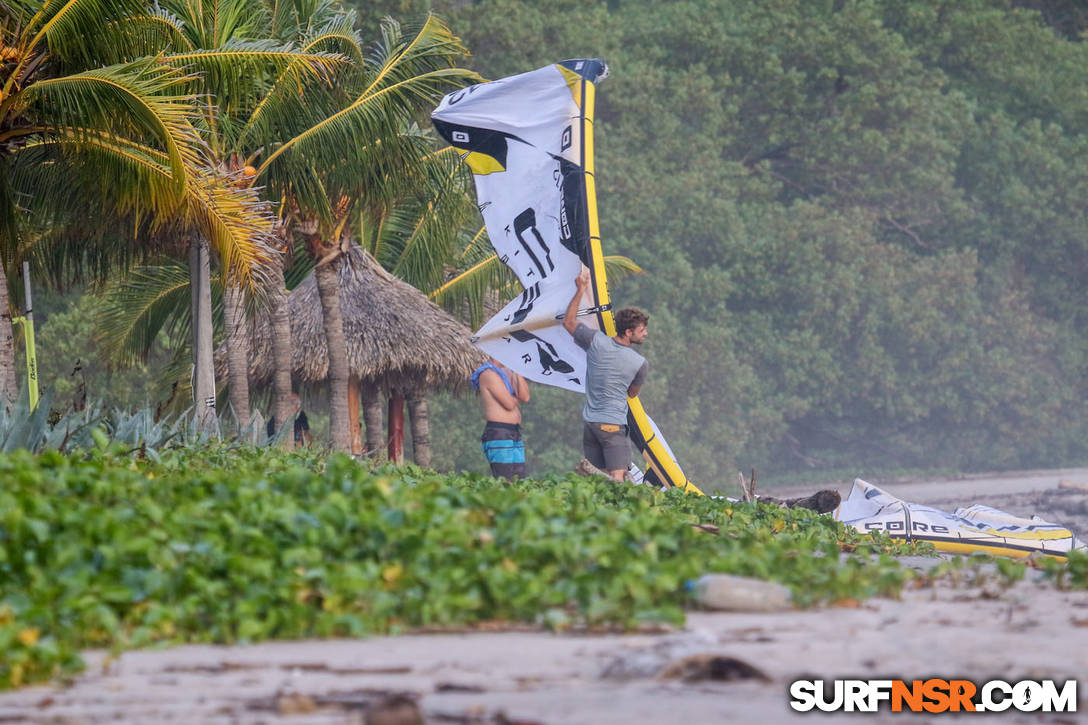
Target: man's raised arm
570, 319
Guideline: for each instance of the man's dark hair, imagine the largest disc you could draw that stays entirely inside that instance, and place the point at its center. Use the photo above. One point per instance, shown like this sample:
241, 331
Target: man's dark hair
629, 318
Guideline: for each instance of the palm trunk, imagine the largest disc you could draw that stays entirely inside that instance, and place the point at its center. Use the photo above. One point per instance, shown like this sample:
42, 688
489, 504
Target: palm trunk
237, 342
203, 366
283, 408
9, 384
372, 415
421, 428
328, 288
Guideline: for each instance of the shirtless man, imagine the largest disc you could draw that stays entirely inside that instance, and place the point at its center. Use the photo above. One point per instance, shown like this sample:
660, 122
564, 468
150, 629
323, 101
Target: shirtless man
614, 373
501, 391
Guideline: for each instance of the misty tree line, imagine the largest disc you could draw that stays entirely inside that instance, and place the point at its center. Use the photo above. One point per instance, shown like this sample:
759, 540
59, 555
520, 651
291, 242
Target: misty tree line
863, 225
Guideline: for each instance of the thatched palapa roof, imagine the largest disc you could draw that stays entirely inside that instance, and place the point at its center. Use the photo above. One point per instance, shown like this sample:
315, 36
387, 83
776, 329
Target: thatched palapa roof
396, 337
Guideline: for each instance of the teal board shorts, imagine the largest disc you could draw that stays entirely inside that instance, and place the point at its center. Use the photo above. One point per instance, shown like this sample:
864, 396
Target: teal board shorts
504, 449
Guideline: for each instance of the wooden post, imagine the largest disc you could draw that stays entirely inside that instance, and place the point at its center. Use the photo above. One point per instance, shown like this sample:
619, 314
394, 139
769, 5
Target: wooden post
372, 414
421, 427
396, 427
353, 416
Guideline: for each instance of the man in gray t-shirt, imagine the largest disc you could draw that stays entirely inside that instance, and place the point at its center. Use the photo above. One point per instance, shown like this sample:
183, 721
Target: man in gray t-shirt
614, 372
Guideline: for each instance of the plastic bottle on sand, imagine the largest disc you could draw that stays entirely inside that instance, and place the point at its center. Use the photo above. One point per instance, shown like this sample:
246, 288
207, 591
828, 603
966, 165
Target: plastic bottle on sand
740, 594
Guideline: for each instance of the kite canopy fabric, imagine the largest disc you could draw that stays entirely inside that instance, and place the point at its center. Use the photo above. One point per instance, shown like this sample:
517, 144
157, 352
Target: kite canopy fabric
529, 142
975, 528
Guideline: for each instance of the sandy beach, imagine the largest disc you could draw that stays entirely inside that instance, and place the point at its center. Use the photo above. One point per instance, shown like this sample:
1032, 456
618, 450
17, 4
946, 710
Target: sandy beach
966, 629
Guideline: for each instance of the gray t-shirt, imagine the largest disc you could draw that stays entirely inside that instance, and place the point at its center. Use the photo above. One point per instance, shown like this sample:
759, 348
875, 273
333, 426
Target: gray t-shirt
611, 369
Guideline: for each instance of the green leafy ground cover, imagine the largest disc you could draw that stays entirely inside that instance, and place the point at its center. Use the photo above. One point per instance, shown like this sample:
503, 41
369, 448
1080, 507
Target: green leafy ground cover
234, 544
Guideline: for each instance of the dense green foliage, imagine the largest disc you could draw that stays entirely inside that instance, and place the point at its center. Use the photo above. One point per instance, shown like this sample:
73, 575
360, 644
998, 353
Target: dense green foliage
864, 225
239, 544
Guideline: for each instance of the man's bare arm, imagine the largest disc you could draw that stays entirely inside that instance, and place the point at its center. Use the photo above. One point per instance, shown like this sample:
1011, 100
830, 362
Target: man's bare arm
636, 384
570, 319
521, 386
494, 386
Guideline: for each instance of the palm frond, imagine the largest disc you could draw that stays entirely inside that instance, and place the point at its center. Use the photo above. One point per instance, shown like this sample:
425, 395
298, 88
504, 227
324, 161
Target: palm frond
134, 310
235, 220
406, 74
131, 179
69, 28
298, 267
424, 233
337, 35
213, 24
133, 101
239, 77
416, 68
69, 235
70, 252
239, 60
618, 267
15, 14
289, 90
373, 174
472, 293
146, 34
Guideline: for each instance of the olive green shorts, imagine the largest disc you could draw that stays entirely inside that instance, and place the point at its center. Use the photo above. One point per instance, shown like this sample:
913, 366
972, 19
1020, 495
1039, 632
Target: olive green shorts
605, 446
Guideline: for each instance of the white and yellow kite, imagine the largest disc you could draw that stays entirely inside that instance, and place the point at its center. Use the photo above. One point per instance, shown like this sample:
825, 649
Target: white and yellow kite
529, 142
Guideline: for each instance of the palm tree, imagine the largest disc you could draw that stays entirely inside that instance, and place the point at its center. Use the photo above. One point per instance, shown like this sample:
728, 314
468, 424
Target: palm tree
349, 150
342, 141
307, 98
248, 57
254, 58
91, 131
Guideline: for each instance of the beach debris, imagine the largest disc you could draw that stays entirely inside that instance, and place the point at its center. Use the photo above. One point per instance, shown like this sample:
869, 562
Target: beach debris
822, 502
726, 592
585, 468
458, 687
711, 667
295, 703
747, 486
399, 709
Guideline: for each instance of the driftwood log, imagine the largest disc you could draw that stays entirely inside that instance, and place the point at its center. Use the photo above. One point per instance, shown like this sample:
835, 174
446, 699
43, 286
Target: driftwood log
822, 502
